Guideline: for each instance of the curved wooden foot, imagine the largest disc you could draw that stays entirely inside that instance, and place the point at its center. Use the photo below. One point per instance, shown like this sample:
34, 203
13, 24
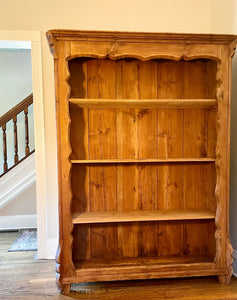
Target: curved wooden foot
65, 289
224, 279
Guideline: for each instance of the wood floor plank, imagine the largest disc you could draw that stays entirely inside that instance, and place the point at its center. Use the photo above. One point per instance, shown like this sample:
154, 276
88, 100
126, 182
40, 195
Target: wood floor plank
22, 278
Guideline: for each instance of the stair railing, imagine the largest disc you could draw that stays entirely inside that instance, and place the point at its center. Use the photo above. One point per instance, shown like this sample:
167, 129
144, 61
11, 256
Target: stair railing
12, 115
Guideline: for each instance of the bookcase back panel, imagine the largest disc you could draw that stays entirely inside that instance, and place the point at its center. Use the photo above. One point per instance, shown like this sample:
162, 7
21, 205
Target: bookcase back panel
143, 187
142, 134
134, 79
130, 240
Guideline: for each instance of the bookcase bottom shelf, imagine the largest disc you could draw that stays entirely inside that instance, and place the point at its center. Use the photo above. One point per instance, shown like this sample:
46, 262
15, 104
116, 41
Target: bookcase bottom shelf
143, 261
143, 268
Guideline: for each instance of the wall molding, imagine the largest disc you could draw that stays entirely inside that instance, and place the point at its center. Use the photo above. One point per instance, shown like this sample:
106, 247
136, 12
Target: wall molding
235, 262
17, 222
17, 180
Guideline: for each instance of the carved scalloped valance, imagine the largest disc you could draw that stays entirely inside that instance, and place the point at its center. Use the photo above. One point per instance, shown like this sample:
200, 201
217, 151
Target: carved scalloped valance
143, 46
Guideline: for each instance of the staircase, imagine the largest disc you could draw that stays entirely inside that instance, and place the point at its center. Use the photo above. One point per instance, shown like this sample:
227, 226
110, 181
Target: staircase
11, 115
17, 180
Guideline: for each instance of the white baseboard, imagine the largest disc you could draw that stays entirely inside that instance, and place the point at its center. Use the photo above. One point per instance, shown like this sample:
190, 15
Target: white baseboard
17, 222
235, 263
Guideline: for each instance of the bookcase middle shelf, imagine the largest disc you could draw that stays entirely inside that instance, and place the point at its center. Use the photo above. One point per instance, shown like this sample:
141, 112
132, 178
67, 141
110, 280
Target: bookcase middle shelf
141, 160
144, 103
141, 215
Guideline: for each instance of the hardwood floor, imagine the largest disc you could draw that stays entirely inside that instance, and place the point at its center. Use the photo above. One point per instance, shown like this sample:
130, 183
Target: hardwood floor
22, 277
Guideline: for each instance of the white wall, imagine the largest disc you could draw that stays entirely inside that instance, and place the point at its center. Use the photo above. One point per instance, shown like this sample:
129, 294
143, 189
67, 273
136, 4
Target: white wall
223, 16
20, 212
16, 85
21, 204
188, 16
15, 77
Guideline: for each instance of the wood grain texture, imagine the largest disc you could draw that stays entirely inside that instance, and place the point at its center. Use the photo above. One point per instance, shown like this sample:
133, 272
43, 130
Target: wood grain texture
148, 103
127, 147
102, 137
133, 216
224, 249
117, 45
170, 144
64, 257
35, 279
145, 128
141, 160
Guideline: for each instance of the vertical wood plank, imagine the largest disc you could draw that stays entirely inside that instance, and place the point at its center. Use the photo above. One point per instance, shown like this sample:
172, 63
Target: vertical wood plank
102, 141
108, 140
64, 256
81, 243
196, 79
195, 133
170, 145
194, 181
195, 237
211, 145
224, 250
96, 177
127, 147
211, 142
147, 148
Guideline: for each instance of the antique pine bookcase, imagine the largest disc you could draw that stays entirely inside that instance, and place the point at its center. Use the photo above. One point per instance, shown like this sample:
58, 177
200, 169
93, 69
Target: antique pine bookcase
143, 128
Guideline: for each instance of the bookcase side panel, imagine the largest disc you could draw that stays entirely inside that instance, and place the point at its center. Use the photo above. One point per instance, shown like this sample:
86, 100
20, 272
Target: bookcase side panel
65, 265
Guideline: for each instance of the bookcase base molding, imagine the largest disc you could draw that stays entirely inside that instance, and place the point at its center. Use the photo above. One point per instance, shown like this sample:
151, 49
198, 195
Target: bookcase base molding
143, 130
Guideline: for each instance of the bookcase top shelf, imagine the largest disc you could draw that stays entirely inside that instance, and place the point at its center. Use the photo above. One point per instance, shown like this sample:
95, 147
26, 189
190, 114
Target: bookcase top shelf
144, 103
134, 216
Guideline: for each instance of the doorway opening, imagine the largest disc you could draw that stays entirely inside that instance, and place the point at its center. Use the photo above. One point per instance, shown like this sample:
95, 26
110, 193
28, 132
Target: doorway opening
17, 144
33, 38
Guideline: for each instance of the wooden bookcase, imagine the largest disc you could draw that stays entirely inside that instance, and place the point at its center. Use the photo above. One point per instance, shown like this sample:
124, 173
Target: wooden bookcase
143, 126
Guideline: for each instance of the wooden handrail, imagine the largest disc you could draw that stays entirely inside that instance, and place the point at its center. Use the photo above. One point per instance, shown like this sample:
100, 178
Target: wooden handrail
16, 110
12, 115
